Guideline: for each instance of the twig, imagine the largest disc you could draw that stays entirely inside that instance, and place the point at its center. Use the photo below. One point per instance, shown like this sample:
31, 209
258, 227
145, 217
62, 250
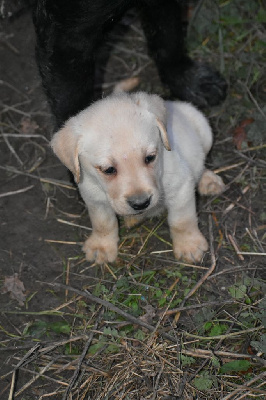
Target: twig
249, 393
37, 376
234, 244
16, 348
62, 242
14, 109
262, 146
53, 346
25, 360
228, 167
16, 191
249, 253
151, 232
21, 103
202, 353
12, 150
174, 262
12, 387
81, 359
239, 389
255, 240
236, 203
112, 307
231, 270
157, 382
225, 336
25, 136
55, 182
28, 384
193, 306
13, 88
62, 221
253, 99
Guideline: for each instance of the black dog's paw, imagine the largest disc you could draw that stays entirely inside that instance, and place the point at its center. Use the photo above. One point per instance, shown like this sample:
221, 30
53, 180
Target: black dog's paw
200, 85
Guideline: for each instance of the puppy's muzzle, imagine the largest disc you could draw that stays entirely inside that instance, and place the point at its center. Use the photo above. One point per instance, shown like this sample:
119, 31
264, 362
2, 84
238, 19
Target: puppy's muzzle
139, 202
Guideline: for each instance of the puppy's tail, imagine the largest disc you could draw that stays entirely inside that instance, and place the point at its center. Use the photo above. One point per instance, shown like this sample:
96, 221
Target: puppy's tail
126, 85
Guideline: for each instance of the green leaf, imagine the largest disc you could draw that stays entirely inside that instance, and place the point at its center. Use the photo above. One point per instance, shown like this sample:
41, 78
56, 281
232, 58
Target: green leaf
204, 315
238, 291
122, 283
187, 361
140, 335
135, 307
37, 329
112, 348
162, 301
203, 383
60, 327
96, 347
173, 274
215, 362
235, 366
99, 289
110, 331
158, 294
218, 329
207, 326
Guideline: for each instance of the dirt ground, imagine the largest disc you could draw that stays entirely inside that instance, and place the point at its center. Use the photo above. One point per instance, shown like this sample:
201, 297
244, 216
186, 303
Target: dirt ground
44, 222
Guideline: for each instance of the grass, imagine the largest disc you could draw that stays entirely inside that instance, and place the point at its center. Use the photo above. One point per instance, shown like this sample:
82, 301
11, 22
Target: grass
150, 327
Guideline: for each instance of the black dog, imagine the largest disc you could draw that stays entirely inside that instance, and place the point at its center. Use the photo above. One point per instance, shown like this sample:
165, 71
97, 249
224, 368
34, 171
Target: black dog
69, 33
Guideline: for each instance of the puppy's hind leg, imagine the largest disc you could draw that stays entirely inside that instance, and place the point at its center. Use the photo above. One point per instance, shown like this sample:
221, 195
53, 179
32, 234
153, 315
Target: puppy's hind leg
210, 184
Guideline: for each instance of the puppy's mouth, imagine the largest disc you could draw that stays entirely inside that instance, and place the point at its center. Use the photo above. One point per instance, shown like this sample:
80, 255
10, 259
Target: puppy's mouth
139, 212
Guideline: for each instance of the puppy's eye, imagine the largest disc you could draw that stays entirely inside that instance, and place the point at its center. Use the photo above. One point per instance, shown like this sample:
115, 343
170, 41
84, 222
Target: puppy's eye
150, 158
109, 171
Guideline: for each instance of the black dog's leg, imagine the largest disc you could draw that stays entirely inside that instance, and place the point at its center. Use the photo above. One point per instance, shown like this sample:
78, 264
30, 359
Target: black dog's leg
68, 35
64, 59
188, 80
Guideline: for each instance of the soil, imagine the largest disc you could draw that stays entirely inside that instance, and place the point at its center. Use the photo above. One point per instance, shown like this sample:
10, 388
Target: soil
37, 193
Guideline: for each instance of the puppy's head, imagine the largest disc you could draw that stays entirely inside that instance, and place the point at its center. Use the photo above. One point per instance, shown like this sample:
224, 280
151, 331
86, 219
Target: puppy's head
117, 143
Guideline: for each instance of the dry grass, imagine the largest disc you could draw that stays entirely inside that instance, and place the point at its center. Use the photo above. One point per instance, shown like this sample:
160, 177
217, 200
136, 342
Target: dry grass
149, 327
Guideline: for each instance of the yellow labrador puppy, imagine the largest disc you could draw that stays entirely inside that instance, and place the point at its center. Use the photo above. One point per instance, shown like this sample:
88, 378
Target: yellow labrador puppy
134, 155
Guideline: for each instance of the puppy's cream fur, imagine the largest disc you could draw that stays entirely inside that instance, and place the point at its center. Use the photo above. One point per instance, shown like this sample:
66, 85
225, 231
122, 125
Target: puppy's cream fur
119, 152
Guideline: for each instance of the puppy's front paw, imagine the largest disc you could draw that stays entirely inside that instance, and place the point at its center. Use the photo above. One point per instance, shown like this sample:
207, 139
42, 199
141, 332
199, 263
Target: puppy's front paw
189, 246
100, 249
210, 184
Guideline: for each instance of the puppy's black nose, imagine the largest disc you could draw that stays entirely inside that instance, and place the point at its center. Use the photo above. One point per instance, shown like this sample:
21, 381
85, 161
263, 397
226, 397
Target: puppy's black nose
139, 202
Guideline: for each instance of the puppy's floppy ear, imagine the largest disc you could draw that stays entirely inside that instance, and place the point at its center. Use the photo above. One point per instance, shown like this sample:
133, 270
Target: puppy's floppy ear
155, 105
163, 134
65, 145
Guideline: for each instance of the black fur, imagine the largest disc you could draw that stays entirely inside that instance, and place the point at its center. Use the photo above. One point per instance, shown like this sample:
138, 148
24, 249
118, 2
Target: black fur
69, 33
